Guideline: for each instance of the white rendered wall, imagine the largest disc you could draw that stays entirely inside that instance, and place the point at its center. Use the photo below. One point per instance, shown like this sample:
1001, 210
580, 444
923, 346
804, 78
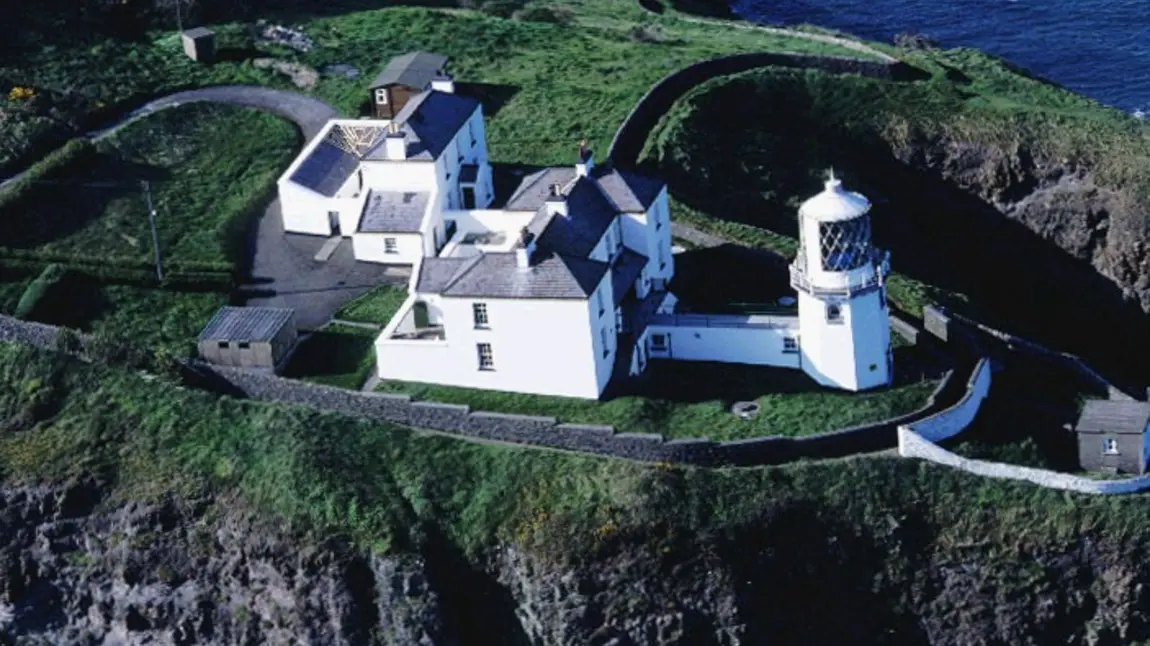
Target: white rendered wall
840, 354
304, 211
538, 346
604, 361
760, 346
484, 220
369, 247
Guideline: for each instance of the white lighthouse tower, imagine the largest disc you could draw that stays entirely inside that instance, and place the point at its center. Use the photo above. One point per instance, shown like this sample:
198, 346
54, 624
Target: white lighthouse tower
844, 329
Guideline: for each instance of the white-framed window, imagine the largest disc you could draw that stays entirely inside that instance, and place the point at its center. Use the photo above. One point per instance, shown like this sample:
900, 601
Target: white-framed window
1110, 446
380, 96
479, 315
486, 358
603, 337
790, 344
599, 301
390, 245
834, 313
659, 342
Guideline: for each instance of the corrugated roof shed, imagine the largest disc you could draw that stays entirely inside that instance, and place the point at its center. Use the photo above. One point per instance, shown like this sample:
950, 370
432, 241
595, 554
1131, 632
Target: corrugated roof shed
413, 69
255, 324
393, 212
1113, 416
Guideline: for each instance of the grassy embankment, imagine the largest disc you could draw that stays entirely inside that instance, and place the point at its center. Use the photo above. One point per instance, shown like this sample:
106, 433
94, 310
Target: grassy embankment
385, 486
691, 400
742, 153
207, 184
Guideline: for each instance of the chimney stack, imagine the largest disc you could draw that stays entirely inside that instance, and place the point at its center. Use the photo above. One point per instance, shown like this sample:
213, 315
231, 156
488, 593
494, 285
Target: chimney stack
443, 83
396, 143
556, 201
585, 162
525, 248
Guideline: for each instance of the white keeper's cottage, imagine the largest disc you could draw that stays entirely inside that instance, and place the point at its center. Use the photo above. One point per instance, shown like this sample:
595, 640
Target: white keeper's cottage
564, 287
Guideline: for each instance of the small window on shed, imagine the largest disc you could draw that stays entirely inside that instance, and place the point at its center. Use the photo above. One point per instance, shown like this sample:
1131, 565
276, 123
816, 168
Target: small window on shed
223, 345
244, 345
1110, 446
380, 96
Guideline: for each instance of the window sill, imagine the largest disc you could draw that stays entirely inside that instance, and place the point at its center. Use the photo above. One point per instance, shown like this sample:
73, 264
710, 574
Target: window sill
487, 370
482, 327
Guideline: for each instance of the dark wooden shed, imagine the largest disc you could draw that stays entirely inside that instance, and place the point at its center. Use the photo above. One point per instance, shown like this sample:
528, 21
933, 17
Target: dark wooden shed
1112, 436
404, 77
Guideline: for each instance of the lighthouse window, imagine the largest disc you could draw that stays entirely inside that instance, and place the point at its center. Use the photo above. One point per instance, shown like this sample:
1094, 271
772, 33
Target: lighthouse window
844, 245
834, 313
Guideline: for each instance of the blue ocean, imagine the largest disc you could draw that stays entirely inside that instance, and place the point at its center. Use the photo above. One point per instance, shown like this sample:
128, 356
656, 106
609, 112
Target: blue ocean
1100, 48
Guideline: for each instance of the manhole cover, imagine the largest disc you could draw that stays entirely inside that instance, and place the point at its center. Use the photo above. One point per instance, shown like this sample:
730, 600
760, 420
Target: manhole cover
746, 410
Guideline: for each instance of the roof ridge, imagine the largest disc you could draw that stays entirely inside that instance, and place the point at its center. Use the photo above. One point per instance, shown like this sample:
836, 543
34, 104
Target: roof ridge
467, 265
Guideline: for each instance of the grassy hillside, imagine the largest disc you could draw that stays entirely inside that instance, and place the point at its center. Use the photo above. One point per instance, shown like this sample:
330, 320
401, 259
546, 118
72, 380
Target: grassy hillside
387, 486
587, 61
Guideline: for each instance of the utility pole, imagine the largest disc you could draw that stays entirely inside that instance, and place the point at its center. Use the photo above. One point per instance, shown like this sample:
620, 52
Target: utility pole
155, 235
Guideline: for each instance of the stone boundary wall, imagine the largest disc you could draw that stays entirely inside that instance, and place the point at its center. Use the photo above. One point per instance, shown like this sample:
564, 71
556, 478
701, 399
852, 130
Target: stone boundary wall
545, 432
1075, 362
645, 115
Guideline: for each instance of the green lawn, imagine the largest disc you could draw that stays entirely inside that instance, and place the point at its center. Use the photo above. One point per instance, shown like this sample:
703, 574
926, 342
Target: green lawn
337, 355
211, 169
376, 306
692, 400
386, 486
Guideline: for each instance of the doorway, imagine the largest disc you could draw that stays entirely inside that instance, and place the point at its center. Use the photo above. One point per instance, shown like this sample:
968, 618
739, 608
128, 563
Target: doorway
333, 222
419, 311
468, 197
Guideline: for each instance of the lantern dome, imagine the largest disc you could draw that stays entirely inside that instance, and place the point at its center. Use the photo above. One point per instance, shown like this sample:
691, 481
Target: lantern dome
834, 204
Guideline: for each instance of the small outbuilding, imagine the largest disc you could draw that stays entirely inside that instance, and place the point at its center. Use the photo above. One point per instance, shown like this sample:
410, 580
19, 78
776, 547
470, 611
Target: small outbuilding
199, 44
249, 337
1112, 436
404, 77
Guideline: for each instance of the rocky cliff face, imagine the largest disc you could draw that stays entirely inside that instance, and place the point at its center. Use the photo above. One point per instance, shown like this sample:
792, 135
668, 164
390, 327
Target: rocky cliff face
81, 570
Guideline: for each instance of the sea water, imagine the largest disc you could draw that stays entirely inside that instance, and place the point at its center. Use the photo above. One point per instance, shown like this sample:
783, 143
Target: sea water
1099, 48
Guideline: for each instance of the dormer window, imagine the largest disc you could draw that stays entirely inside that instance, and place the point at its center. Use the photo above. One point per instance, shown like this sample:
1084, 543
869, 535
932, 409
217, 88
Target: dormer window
381, 96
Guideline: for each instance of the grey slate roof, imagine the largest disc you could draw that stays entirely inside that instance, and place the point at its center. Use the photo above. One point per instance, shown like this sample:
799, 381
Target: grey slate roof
1102, 415
326, 169
437, 273
625, 272
196, 33
393, 212
532, 192
246, 324
589, 214
631, 192
429, 121
496, 275
413, 69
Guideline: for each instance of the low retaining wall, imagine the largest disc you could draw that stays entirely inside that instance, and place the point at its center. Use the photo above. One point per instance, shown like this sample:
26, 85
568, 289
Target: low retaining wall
632, 134
918, 440
547, 431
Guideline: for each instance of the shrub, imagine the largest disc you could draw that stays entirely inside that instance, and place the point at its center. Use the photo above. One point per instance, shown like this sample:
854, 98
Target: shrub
539, 13
37, 289
647, 34
71, 153
497, 8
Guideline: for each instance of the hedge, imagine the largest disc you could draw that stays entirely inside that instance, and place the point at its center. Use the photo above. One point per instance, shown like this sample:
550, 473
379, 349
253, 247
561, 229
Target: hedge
70, 153
136, 273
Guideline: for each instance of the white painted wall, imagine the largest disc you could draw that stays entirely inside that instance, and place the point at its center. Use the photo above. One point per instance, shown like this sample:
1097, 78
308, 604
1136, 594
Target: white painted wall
305, 211
952, 421
483, 220
604, 354
756, 346
369, 247
529, 338
840, 354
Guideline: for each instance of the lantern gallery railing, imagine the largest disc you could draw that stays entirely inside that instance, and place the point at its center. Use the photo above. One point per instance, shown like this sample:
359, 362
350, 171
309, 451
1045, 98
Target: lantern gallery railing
854, 283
